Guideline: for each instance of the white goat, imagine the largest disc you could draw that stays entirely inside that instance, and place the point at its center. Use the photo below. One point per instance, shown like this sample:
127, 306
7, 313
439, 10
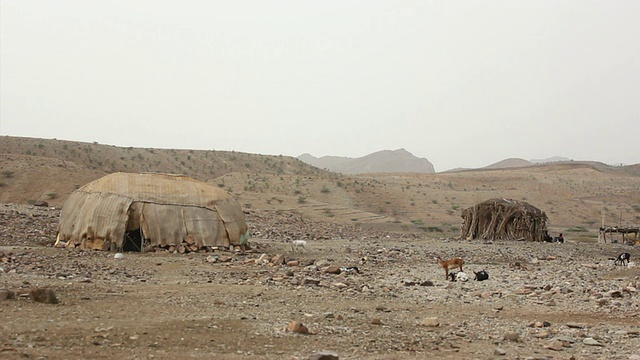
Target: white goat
298, 244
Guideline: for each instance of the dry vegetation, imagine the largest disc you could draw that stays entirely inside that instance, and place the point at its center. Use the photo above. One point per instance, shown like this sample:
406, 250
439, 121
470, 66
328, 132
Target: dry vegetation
574, 195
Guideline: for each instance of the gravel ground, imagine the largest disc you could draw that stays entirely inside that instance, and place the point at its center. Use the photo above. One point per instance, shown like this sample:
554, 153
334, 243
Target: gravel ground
542, 301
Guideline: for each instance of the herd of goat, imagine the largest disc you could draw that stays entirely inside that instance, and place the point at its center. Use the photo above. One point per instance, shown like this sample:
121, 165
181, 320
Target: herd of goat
622, 259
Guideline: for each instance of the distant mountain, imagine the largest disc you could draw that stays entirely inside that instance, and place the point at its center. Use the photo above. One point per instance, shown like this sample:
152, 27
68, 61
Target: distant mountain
550, 160
385, 161
509, 163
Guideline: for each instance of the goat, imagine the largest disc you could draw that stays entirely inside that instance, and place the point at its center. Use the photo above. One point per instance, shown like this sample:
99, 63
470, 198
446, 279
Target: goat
481, 275
452, 276
622, 258
298, 244
450, 264
462, 276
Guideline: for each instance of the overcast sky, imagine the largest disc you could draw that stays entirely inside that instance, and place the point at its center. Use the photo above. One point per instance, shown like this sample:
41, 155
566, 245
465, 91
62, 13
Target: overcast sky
461, 83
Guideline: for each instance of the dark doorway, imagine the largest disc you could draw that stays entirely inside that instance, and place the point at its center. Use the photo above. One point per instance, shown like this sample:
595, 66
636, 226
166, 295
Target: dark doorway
133, 241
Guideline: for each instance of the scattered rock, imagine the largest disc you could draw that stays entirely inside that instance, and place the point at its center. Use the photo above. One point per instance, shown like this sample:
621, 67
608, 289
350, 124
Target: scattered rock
6, 294
499, 352
298, 327
591, 341
333, 269
574, 325
310, 281
324, 355
512, 336
430, 322
43, 295
278, 259
555, 345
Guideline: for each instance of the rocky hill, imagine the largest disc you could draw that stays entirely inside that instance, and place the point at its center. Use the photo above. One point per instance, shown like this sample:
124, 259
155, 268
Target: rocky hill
385, 161
575, 195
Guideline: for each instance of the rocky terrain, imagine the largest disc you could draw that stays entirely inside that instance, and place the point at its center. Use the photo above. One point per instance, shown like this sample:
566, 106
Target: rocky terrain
542, 301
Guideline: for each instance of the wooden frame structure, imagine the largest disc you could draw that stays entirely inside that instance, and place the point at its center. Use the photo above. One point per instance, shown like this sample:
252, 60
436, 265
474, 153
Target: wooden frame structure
624, 230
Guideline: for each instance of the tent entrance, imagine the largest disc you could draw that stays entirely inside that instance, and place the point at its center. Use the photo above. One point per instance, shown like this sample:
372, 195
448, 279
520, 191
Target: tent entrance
133, 241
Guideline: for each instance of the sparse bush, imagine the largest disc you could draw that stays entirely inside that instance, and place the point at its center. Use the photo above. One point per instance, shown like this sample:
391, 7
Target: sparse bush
8, 174
302, 200
577, 229
324, 190
417, 222
2, 183
52, 195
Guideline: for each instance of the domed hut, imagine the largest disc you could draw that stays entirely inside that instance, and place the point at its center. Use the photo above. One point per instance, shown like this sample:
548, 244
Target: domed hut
136, 212
504, 219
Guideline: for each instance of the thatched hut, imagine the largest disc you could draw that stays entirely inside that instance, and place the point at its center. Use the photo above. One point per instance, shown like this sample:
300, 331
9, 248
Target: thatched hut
504, 219
135, 212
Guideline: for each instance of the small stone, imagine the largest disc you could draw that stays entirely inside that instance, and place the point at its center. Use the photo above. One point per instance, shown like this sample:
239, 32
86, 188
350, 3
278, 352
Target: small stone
293, 263
555, 345
43, 295
499, 352
298, 327
512, 336
634, 357
376, 321
615, 294
6, 294
324, 355
430, 322
289, 273
575, 325
278, 259
591, 341
333, 269
118, 256
310, 281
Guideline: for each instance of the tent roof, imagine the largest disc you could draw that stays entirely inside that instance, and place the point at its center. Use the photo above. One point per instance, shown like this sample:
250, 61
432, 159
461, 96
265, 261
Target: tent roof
168, 189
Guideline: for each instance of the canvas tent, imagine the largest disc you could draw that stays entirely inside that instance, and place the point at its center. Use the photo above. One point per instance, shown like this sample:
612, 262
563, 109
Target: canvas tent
132, 212
504, 219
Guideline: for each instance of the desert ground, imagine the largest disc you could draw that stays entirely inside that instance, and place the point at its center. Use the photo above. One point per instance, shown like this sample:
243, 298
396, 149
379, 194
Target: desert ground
542, 300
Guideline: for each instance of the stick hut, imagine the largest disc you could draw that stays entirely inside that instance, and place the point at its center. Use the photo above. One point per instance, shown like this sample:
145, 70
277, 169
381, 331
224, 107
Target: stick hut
504, 219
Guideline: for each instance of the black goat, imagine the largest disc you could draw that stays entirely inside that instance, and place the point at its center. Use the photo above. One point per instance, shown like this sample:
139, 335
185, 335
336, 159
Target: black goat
622, 258
481, 275
452, 276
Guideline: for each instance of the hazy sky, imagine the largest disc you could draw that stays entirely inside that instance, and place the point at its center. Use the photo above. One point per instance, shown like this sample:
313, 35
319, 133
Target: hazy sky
461, 83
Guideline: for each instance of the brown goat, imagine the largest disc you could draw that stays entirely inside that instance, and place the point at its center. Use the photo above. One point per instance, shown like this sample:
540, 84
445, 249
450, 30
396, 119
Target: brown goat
450, 264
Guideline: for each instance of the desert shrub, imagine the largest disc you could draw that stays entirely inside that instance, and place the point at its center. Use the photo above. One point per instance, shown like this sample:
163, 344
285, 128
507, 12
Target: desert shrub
434, 229
577, 229
324, 189
8, 174
636, 207
302, 200
417, 222
52, 195
2, 183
